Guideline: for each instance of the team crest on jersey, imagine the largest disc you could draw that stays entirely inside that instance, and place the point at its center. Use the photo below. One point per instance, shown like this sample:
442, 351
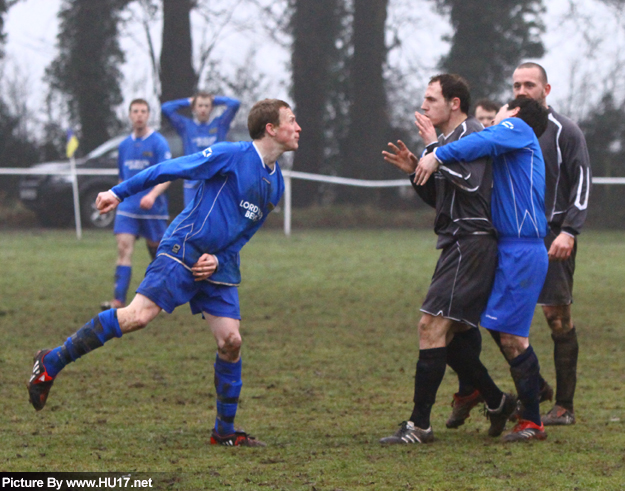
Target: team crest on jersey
137, 164
252, 211
204, 141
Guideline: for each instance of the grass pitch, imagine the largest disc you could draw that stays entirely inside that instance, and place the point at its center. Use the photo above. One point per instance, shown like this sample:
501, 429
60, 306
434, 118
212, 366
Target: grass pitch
330, 346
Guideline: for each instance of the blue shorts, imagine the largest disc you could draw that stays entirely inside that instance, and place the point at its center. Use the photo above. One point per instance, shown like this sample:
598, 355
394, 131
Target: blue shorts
169, 284
152, 229
521, 270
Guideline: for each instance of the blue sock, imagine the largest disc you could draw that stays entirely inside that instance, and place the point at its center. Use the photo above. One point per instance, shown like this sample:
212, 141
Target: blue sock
122, 282
92, 335
228, 387
525, 372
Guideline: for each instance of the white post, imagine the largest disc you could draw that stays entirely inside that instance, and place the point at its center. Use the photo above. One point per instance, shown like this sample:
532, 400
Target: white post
72, 163
287, 203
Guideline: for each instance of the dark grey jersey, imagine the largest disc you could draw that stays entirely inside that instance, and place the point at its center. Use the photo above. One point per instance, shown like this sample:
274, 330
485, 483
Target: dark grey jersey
460, 192
567, 174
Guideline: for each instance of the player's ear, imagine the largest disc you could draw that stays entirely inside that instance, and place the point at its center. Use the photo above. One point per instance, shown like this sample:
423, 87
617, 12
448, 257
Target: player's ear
547, 89
455, 103
270, 129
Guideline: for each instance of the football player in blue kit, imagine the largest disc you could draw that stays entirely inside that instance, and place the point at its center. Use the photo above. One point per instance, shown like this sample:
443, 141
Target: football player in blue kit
198, 259
201, 131
518, 213
146, 213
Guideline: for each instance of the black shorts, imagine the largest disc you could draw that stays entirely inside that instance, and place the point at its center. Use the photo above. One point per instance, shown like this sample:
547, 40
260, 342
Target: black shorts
558, 287
463, 279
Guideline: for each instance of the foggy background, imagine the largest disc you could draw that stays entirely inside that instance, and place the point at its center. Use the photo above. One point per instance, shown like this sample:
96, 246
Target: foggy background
354, 70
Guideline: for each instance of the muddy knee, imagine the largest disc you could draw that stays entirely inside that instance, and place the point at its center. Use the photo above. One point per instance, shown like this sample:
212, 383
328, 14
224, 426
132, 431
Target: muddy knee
558, 318
512, 346
230, 348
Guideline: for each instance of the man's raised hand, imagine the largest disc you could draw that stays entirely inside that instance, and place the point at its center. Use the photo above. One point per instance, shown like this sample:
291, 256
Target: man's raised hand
401, 157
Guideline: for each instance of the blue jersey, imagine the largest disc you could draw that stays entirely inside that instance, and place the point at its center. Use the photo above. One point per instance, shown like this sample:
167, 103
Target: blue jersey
236, 193
518, 198
135, 155
197, 136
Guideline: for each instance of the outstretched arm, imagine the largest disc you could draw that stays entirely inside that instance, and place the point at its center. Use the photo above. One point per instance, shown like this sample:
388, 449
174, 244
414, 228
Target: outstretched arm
187, 167
511, 134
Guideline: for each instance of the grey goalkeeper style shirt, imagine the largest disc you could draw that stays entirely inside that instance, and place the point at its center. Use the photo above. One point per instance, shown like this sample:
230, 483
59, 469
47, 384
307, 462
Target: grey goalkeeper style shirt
460, 192
567, 174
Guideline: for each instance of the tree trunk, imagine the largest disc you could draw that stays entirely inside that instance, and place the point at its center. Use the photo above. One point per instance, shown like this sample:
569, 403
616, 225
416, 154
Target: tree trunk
368, 117
314, 27
178, 79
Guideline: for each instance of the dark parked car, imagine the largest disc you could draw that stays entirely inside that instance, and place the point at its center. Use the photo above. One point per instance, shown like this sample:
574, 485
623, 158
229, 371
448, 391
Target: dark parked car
51, 198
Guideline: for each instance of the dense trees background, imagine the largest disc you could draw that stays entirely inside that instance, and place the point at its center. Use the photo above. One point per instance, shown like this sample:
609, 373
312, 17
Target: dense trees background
87, 68
3, 10
341, 79
316, 28
490, 39
17, 148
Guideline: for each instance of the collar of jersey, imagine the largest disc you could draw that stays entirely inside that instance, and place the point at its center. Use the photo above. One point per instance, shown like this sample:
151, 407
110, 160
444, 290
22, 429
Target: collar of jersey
204, 123
263, 162
132, 135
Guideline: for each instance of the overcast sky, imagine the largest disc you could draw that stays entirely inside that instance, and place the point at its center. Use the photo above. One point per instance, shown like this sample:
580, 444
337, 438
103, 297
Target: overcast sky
581, 50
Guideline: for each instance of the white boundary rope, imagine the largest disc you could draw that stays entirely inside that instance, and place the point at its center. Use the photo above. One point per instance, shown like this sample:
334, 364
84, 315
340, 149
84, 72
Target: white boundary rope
289, 175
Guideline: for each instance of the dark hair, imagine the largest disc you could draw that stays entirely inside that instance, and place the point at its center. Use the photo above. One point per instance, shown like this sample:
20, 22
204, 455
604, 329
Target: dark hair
138, 101
201, 94
263, 113
541, 70
532, 112
488, 105
452, 86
